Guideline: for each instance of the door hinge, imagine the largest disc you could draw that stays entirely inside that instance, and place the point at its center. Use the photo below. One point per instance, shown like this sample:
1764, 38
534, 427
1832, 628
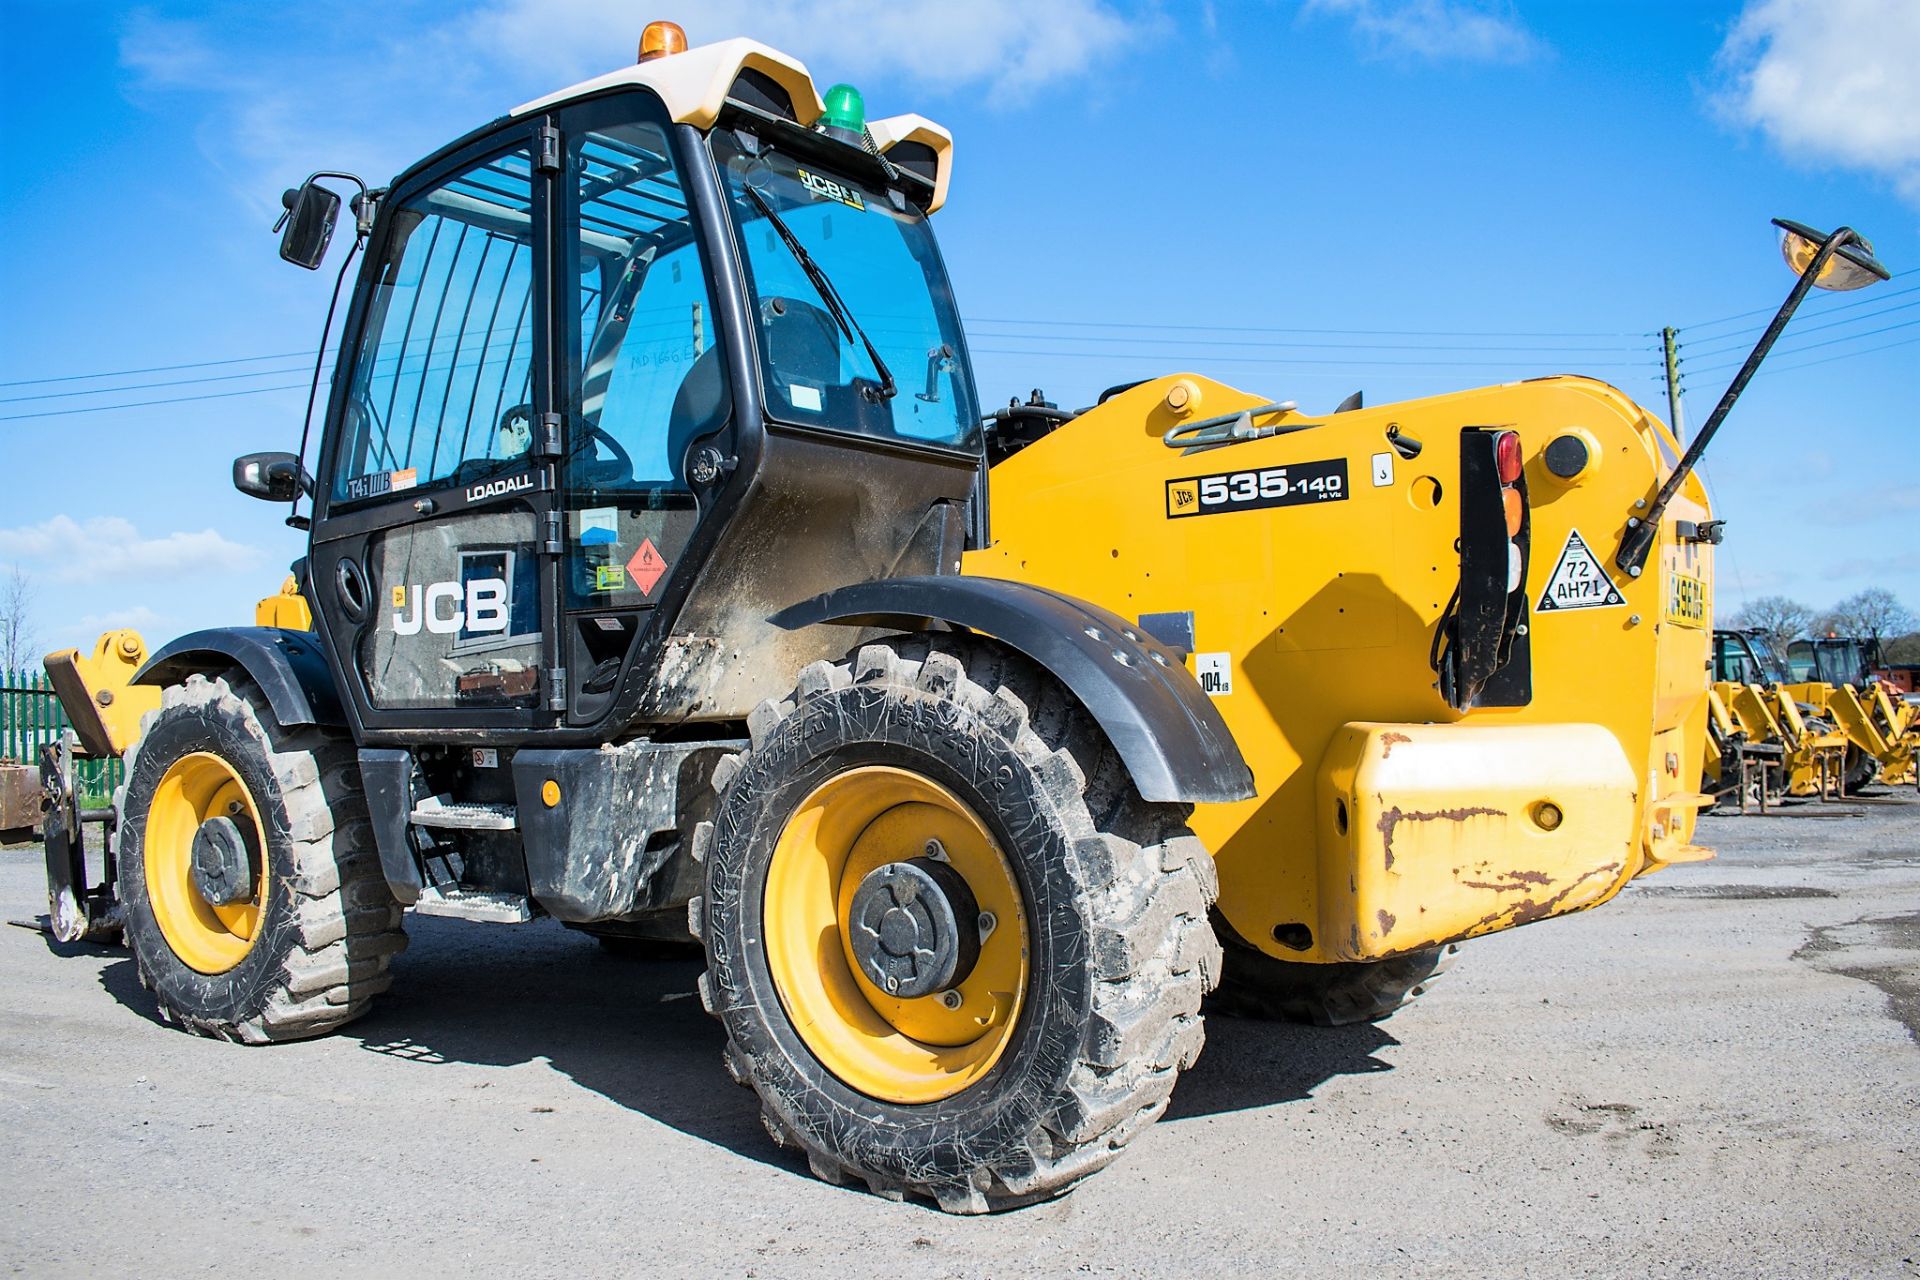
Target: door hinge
553, 545
547, 149
556, 688
546, 440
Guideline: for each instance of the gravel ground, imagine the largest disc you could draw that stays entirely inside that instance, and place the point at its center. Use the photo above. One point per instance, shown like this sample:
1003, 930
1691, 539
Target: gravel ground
1715, 1075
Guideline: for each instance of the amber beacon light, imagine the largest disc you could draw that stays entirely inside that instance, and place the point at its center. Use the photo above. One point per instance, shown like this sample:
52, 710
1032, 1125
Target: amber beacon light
661, 39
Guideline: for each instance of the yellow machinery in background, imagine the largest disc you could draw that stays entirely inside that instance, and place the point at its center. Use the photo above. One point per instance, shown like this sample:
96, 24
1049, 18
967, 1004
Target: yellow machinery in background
1835, 674
1314, 568
1822, 738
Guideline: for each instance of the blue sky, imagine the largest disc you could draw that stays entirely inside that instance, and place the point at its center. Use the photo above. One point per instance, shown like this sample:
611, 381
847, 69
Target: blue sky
1305, 199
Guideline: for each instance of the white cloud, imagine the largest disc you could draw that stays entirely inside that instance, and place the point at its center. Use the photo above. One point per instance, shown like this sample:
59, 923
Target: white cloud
1009, 47
336, 91
1437, 30
139, 617
1831, 82
111, 547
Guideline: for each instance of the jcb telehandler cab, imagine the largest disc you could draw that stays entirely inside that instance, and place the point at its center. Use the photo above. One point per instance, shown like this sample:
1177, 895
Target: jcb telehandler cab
655, 587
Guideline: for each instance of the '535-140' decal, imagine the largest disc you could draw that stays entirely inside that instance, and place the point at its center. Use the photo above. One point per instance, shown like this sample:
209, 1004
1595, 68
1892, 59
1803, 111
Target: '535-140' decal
1289, 486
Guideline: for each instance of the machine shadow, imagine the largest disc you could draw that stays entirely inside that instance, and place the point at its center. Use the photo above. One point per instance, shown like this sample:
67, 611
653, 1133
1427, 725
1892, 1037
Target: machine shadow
1249, 1064
633, 1031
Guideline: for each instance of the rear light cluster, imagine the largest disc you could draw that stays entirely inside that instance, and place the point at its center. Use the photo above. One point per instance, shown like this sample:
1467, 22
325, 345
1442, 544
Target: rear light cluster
1507, 462
1480, 648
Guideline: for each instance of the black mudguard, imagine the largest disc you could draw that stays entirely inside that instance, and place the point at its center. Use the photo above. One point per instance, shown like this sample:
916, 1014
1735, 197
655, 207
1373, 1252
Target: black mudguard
1167, 732
287, 665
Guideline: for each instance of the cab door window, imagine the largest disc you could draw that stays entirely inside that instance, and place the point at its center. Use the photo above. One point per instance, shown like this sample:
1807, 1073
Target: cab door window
648, 379
443, 374
439, 397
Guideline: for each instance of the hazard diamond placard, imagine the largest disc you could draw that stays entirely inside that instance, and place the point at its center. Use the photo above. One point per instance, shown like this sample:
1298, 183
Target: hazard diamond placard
646, 566
1578, 581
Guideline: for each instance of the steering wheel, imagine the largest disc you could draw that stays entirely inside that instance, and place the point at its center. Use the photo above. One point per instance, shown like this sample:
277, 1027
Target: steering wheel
516, 426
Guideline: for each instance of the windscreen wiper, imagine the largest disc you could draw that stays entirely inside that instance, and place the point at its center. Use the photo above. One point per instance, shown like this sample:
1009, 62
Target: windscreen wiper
837, 306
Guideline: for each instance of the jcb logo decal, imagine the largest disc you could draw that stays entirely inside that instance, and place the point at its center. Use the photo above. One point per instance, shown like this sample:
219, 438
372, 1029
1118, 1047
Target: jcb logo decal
1182, 496
828, 189
478, 605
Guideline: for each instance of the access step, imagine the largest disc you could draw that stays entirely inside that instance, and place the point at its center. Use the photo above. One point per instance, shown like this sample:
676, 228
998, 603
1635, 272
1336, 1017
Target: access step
438, 811
473, 904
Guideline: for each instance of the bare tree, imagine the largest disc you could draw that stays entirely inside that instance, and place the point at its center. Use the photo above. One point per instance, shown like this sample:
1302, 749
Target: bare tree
1874, 613
1782, 619
17, 639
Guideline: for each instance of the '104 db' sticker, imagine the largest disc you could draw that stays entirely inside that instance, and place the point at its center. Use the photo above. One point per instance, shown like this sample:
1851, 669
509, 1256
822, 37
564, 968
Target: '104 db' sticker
1289, 486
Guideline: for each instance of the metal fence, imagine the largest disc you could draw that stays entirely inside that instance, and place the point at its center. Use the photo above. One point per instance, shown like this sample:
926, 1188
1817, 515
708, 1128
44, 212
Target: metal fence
31, 717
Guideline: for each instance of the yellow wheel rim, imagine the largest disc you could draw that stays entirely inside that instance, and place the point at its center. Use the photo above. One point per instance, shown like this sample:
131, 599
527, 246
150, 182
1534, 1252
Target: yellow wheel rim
208, 938
889, 1048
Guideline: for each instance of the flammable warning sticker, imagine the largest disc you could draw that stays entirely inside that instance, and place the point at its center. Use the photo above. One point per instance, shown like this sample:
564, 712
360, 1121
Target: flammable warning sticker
1578, 581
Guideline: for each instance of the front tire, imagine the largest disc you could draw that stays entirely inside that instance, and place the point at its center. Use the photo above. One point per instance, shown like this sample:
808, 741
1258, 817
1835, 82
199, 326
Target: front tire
1056, 1045
290, 934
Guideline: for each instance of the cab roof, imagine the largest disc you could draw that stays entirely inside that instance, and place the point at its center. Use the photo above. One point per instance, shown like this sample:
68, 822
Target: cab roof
695, 84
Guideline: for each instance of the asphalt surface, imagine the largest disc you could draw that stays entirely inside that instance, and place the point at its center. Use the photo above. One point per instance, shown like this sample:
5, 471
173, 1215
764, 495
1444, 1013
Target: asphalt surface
1715, 1075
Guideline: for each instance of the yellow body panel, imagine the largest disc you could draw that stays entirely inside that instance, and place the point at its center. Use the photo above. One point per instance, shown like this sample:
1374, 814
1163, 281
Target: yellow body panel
1455, 830
1322, 614
285, 608
96, 692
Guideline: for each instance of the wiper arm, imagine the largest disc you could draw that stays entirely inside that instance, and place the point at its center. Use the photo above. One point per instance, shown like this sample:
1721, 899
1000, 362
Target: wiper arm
836, 306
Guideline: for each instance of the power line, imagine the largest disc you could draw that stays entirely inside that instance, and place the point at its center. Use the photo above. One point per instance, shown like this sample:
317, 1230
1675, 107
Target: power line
1229, 328
158, 368
1799, 332
142, 404
1813, 346
1767, 311
1843, 355
975, 321
148, 386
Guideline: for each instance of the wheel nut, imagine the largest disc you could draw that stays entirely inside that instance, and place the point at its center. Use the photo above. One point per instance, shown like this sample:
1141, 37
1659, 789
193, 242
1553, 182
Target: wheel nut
937, 851
951, 999
988, 923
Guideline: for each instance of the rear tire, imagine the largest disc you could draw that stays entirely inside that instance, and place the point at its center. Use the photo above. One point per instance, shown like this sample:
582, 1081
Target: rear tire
309, 949
1256, 985
1112, 901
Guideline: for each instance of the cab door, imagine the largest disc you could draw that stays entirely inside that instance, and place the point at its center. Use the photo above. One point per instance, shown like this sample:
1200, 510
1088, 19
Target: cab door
643, 386
433, 547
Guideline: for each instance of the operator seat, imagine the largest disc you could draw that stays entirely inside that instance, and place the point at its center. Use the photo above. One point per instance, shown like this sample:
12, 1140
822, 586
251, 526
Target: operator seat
700, 407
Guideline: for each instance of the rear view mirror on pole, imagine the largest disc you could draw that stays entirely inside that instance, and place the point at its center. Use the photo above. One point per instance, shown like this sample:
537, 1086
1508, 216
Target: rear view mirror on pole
307, 225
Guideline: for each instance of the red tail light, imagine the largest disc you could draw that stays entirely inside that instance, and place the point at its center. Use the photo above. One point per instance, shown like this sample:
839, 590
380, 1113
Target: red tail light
1506, 455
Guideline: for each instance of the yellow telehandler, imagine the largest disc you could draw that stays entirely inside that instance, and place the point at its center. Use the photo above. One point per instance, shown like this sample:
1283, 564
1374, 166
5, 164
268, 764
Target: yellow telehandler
663, 581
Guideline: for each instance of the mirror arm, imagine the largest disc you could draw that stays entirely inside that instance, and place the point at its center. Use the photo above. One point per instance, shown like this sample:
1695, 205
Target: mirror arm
1642, 530
294, 519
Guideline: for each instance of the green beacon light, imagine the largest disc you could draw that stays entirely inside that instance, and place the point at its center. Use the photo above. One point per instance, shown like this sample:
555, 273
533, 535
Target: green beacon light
845, 116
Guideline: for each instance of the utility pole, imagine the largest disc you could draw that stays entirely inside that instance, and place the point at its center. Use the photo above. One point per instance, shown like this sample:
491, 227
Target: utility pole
1676, 411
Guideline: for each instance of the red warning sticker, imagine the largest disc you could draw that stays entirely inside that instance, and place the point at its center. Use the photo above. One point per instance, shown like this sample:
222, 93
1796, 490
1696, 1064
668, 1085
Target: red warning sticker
646, 566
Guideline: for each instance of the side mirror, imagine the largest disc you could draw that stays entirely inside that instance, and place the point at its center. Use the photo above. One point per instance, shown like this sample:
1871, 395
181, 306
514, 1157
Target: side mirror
271, 477
308, 223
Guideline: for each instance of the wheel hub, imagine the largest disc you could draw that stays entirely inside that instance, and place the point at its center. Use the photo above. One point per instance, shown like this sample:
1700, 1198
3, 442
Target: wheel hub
225, 865
914, 928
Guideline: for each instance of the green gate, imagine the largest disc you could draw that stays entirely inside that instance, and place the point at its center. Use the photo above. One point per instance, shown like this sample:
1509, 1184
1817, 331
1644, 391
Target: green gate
31, 717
